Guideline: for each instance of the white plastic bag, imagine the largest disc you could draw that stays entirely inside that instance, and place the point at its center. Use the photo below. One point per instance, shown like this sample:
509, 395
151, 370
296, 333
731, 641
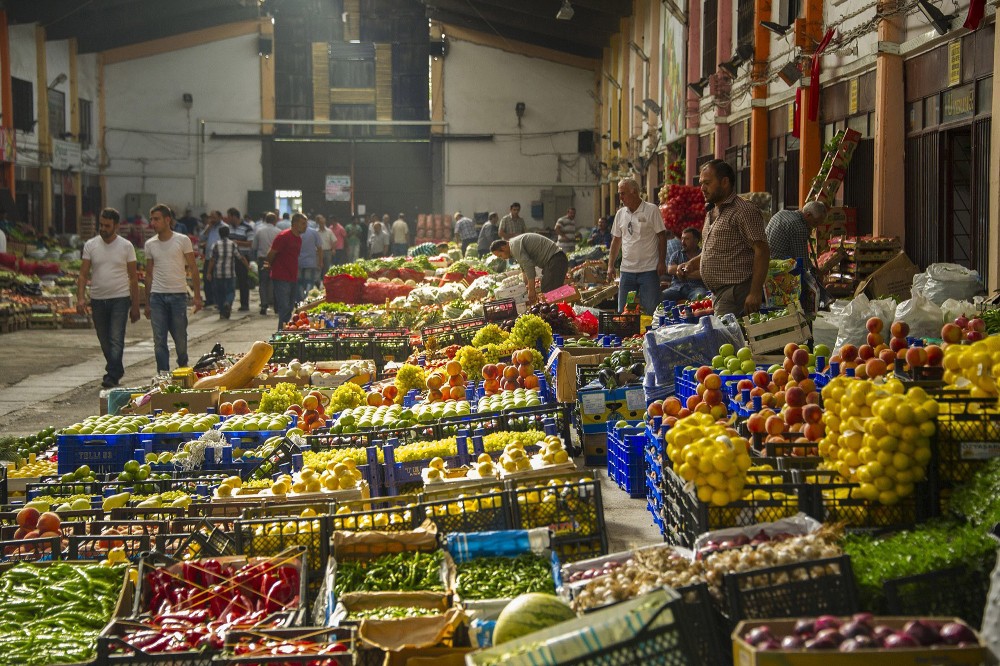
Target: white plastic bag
951, 309
943, 281
923, 316
853, 329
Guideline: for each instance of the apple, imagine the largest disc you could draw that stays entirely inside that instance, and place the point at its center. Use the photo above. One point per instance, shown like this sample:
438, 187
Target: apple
934, 355
916, 357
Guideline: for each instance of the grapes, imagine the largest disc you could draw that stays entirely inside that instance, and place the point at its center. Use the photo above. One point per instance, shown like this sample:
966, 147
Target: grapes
498, 441
346, 396
490, 334
279, 398
530, 330
472, 361
409, 377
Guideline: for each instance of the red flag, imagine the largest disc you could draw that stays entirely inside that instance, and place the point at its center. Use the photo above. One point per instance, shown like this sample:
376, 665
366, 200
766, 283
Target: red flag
814, 77
977, 8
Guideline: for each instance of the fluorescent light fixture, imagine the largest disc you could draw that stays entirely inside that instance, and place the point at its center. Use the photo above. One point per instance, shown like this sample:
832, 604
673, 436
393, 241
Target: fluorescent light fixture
698, 87
937, 18
790, 73
777, 28
565, 12
639, 52
61, 78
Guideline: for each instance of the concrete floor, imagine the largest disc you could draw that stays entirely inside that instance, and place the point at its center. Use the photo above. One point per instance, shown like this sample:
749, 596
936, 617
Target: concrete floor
53, 378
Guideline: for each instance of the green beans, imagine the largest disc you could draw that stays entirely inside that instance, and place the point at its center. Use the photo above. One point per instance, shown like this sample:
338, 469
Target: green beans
391, 613
504, 577
53, 614
405, 572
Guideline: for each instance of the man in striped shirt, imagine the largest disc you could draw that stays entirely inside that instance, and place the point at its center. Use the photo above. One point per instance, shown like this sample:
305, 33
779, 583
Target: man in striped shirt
222, 270
465, 231
734, 253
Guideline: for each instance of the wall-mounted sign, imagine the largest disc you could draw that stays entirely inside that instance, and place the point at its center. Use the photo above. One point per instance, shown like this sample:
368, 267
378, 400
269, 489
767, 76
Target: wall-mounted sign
338, 188
852, 106
791, 118
954, 62
65, 155
958, 103
8, 145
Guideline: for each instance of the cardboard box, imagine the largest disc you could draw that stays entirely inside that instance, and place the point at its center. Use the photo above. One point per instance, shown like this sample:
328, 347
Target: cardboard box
196, 402
595, 449
427, 657
250, 395
894, 278
566, 359
564, 294
745, 654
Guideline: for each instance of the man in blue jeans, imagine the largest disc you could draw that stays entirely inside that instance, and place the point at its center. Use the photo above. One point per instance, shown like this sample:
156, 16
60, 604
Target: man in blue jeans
169, 261
310, 260
638, 233
114, 291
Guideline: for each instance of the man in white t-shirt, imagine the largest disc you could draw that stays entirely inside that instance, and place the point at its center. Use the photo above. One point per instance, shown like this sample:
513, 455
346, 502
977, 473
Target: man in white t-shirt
109, 264
638, 233
169, 261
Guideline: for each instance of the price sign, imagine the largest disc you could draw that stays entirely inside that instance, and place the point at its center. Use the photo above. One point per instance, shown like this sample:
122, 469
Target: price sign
635, 400
593, 403
980, 450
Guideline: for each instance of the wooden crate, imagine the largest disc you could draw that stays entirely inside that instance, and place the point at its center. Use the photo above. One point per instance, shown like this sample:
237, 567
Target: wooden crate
767, 339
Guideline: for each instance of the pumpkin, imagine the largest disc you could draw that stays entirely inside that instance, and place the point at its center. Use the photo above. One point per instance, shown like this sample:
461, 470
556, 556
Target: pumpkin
242, 372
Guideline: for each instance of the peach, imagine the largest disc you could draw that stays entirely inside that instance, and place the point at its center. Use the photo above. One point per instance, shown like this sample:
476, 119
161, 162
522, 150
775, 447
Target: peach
899, 329
713, 382
780, 377
888, 356
916, 357
799, 373
848, 353
795, 397
812, 413
793, 415
693, 401
48, 522
875, 367
814, 431
790, 349
761, 378
672, 406
874, 325
702, 372
951, 333
755, 423
683, 413
774, 425
27, 517
934, 355
800, 357
875, 339
787, 365
655, 408
895, 344
865, 352
744, 384
713, 397
813, 398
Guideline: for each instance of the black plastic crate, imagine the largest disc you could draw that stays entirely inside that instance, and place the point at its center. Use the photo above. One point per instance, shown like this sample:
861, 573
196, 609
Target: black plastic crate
476, 512
619, 323
202, 539
967, 438
499, 311
558, 418
267, 467
955, 592
775, 496
660, 642
96, 546
31, 550
114, 649
142, 514
394, 514
830, 501
586, 373
150, 527
707, 636
355, 344
459, 332
268, 536
575, 511
33, 490
390, 349
803, 589
286, 346
320, 346
577, 549
298, 635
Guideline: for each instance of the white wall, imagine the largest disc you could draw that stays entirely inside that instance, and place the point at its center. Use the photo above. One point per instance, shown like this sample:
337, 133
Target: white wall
481, 87
146, 120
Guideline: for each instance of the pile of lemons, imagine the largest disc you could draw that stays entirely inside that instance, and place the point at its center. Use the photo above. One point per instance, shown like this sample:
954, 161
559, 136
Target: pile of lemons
711, 456
975, 367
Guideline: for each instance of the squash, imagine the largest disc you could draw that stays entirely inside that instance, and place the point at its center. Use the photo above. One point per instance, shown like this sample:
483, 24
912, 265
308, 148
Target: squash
243, 371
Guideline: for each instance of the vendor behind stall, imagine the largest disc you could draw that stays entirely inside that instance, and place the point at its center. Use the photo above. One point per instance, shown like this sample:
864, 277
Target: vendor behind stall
533, 251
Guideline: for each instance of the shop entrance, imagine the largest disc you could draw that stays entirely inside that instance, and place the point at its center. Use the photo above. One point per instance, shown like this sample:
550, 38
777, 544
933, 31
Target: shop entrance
960, 225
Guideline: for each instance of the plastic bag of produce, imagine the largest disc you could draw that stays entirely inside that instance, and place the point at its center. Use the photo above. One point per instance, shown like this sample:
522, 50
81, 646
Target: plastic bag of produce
923, 316
943, 281
952, 309
343, 288
852, 327
689, 344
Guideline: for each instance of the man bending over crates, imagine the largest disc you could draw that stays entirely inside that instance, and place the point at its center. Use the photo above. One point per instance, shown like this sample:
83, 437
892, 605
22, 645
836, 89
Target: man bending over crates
532, 251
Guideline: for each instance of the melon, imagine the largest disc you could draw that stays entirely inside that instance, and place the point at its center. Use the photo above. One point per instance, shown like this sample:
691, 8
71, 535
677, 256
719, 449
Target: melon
529, 613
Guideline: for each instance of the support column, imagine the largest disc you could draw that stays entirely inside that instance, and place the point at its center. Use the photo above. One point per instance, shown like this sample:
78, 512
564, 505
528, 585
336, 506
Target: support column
810, 142
693, 101
758, 98
993, 274
889, 198
6, 101
44, 133
724, 51
74, 129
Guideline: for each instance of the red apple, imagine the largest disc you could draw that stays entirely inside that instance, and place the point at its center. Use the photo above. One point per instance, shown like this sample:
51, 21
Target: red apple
934, 355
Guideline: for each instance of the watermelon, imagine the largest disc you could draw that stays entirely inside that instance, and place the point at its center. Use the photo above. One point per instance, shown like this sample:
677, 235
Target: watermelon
529, 613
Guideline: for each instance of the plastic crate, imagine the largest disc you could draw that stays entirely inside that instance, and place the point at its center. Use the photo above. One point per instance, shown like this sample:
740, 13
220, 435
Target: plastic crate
459, 332
286, 346
707, 638
320, 346
626, 459
475, 512
399, 473
660, 642
554, 419
31, 550
268, 536
620, 324
92, 488
967, 438
96, 546
390, 349
803, 589
162, 442
371, 471
103, 453
956, 592
262, 637
496, 312
265, 468
400, 515
767, 502
831, 501
576, 512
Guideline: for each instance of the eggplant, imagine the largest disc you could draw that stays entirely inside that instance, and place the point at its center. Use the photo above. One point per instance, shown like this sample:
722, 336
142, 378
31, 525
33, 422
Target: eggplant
607, 378
637, 369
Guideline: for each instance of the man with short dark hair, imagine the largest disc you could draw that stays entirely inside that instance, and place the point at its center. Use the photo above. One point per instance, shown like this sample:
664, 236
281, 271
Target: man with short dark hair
686, 287
241, 233
734, 254
400, 232
262, 240
283, 263
487, 234
221, 270
638, 233
566, 231
465, 230
169, 262
114, 291
513, 224
208, 238
532, 251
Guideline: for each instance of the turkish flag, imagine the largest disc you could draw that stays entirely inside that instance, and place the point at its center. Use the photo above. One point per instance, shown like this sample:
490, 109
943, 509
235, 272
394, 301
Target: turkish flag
977, 8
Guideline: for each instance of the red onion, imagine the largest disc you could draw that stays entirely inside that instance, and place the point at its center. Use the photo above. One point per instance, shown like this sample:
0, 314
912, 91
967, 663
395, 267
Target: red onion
758, 635
900, 640
954, 633
804, 626
791, 642
854, 628
827, 622
921, 632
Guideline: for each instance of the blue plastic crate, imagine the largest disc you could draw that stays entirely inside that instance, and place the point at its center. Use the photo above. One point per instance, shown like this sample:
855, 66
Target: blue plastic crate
161, 442
395, 474
103, 453
250, 439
